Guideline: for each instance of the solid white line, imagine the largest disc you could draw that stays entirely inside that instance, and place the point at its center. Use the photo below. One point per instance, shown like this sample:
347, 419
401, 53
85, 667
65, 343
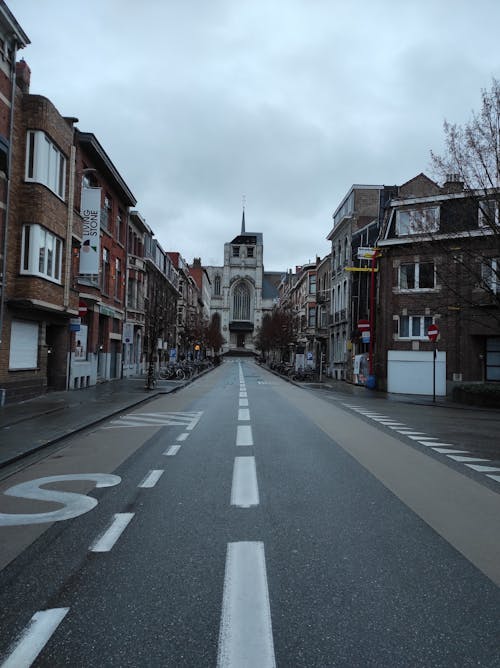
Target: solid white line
34, 638
244, 435
172, 450
243, 402
182, 437
243, 415
244, 490
152, 478
106, 541
246, 634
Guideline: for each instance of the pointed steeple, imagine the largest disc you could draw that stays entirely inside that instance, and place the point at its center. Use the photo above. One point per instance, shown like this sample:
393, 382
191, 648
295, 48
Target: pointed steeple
243, 216
243, 222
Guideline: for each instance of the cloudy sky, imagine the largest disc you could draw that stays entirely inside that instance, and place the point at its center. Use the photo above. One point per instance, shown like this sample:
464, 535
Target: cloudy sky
287, 102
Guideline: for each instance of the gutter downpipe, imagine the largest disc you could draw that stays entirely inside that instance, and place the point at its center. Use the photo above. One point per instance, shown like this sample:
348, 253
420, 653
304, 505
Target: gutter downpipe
69, 247
7, 202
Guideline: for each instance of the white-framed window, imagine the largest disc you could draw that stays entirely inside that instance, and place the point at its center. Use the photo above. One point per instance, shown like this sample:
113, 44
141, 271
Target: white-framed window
414, 326
23, 351
417, 276
45, 163
312, 284
417, 221
488, 213
490, 274
41, 253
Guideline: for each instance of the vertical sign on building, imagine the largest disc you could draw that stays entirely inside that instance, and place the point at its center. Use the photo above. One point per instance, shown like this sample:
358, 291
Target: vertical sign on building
91, 214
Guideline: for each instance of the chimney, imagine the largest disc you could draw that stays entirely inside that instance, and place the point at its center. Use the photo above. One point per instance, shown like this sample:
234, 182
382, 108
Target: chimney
23, 75
453, 184
197, 262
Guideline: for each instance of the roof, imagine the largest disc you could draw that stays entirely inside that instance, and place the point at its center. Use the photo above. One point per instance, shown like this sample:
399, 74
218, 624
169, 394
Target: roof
89, 141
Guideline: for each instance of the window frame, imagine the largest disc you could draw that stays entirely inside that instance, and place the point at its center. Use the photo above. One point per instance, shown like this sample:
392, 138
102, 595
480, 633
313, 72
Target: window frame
423, 327
416, 277
32, 238
45, 163
414, 226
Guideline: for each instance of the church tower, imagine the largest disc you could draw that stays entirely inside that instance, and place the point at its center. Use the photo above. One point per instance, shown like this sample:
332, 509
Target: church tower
241, 291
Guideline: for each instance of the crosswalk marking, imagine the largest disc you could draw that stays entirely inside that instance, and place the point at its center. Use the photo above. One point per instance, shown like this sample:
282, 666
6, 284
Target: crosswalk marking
186, 420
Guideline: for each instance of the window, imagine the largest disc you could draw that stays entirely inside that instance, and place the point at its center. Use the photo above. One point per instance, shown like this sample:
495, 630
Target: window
417, 221
236, 251
45, 163
312, 284
488, 213
217, 285
490, 274
41, 253
417, 276
105, 271
119, 227
414, 326
311, 317
249, 251
493, 358
118, 278
106, 212
241, 302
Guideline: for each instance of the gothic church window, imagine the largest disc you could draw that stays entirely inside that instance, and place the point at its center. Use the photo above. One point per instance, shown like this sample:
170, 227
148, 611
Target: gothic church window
217, 285
241, 302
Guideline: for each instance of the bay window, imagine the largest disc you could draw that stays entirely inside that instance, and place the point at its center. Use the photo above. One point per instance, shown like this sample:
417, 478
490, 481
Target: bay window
45, 163
41, 253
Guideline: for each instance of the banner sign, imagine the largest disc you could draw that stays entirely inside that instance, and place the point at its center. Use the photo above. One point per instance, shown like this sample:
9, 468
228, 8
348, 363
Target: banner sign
91, 214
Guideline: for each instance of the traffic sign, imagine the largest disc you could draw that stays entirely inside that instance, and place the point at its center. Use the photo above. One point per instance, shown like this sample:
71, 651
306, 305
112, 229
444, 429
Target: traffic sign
82, 308
364, 325
366, 253
433, 332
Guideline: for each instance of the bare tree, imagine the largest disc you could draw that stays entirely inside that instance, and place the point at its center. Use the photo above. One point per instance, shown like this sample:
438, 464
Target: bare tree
469, 236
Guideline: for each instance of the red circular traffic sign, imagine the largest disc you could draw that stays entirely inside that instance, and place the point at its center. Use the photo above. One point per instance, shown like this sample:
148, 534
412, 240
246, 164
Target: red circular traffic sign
433, 332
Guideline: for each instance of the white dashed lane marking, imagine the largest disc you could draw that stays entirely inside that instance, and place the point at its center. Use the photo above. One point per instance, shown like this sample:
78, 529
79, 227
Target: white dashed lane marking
34, 638
151, 479
107, 540
244, 435
244, 489
172, 450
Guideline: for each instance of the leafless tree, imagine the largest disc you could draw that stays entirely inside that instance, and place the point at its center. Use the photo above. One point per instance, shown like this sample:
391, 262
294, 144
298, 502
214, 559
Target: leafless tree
470, 244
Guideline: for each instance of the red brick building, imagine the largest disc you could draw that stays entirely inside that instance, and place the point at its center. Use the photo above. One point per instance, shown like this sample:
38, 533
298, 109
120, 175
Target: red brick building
97, 354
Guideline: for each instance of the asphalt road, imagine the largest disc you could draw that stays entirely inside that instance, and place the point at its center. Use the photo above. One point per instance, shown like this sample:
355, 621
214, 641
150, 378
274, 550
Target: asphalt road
251, 523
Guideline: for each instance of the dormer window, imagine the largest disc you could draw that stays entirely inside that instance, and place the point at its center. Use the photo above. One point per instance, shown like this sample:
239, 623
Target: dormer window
417, 221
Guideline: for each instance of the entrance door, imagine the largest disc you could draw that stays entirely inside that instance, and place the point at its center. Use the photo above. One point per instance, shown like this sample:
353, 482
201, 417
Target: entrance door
241, 341
56, 338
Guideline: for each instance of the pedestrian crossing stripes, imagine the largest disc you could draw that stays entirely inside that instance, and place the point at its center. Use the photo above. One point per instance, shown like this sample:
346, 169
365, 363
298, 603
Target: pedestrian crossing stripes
187, 421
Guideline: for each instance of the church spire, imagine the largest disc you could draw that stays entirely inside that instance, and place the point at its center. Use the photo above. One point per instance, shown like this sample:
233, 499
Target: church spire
243, 217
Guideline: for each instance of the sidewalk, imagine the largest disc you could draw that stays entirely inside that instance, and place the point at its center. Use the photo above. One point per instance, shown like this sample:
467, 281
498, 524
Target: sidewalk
30, 425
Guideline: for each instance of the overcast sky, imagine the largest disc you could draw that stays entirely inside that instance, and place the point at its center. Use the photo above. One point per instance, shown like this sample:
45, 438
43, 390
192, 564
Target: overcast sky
288, 102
